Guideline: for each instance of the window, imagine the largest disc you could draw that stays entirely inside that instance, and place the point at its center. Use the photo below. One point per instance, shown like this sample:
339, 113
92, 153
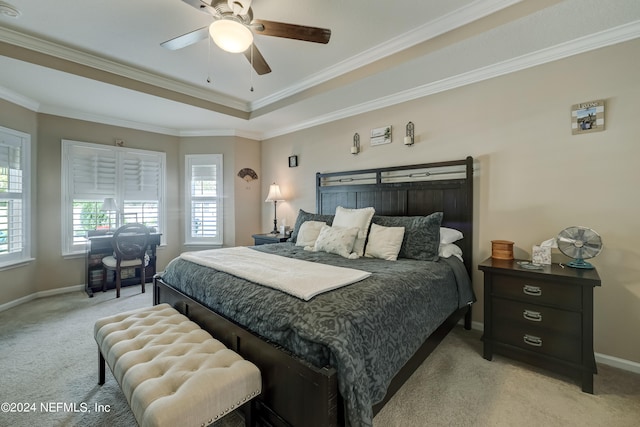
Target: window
15, 196
203, 176
91, 173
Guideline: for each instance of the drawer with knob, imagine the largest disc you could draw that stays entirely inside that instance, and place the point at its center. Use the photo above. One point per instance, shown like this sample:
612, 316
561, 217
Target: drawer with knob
562, 346
543, 317
538, 291
536, 316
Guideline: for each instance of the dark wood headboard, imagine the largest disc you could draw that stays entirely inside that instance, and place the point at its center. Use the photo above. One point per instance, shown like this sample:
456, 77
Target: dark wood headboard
406, 191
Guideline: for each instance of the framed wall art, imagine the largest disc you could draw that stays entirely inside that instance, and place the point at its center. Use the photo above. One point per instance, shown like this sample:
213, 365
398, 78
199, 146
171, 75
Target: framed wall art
381, 136
293, 161
587, 117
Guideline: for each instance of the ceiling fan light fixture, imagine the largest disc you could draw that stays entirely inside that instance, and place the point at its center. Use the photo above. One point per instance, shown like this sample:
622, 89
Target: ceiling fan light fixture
231, 35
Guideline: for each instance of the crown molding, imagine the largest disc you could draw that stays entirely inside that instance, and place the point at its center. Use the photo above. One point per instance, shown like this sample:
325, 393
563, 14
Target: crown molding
429, 30
106, 120
16, 98
256, 136
577, 46
90, 60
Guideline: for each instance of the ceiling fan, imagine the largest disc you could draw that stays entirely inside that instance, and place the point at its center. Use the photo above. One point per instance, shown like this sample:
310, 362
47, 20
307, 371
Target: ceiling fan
233, 29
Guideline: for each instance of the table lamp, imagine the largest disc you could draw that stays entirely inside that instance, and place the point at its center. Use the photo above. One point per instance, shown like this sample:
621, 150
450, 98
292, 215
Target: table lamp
274, 196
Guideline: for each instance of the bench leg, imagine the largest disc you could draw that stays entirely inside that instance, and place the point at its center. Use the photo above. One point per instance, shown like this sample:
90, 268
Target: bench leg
101, 363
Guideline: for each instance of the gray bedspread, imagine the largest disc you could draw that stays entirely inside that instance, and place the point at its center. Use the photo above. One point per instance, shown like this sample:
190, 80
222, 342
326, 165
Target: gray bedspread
366, 331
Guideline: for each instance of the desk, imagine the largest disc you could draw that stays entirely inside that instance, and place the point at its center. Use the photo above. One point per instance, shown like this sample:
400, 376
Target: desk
100, 246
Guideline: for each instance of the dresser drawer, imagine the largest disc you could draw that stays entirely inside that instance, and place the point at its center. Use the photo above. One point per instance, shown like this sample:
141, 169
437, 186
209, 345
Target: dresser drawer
536, 316
538, 340
538, 291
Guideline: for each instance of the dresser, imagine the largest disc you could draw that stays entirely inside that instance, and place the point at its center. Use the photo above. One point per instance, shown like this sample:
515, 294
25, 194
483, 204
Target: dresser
542, 317
98, 246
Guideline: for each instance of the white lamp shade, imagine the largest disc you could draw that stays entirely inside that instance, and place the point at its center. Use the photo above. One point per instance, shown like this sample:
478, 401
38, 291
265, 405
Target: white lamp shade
274, 194
109, 204
231, 35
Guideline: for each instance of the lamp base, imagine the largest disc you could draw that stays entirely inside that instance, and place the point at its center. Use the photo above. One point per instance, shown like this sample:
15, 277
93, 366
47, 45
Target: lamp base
275, 218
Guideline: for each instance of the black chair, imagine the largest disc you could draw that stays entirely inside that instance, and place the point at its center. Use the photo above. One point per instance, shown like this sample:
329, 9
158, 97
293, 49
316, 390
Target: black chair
129, 251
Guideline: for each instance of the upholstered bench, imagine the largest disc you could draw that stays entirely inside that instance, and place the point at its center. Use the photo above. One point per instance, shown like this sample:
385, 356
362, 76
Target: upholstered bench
171, 371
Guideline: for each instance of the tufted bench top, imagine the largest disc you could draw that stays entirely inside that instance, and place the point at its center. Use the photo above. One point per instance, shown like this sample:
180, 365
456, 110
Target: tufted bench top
170, 370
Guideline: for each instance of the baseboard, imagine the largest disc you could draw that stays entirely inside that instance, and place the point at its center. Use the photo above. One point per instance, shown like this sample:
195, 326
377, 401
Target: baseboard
604, 359
616, 362
40, 294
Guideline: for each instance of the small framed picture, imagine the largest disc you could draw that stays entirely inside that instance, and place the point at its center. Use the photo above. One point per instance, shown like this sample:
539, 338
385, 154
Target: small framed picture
293, 161
587, 117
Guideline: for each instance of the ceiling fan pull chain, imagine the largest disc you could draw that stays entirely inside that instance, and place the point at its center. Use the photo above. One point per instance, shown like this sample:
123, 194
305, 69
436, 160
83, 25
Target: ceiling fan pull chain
209, 60
251, 69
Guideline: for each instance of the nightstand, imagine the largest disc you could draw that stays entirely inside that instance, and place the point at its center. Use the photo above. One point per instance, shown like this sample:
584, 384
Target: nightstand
542, 317
268, 238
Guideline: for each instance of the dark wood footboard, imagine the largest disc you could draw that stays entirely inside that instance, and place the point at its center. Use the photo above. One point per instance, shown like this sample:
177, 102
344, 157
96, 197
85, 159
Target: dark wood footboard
294, 393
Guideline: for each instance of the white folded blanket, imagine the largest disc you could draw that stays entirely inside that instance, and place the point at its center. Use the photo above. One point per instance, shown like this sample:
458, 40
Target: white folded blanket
302, 279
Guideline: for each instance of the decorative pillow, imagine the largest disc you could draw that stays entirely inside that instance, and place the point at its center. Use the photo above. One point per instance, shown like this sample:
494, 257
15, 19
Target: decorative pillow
308, 233
450, 249
360, 218
421, 234
336, 240
306, 216
450, 235
384, 242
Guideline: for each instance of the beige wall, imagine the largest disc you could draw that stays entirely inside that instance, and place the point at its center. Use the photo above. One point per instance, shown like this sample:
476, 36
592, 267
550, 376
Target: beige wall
50, 270
241, 202
532, 177
247, 193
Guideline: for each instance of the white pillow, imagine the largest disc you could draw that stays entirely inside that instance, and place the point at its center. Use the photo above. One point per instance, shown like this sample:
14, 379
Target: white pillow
450, 235
336, 240
308, 233
450, 249
360, 218
384, 242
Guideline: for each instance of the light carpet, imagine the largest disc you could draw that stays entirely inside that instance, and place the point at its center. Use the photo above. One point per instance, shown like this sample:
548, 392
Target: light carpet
49, 366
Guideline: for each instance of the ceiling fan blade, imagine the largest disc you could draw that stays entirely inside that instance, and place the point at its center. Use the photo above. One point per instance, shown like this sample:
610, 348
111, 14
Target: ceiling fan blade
291, 31
186, 39
259, 63
203, 6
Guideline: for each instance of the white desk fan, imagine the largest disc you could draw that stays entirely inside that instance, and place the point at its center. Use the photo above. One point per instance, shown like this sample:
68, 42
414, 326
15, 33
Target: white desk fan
579, 243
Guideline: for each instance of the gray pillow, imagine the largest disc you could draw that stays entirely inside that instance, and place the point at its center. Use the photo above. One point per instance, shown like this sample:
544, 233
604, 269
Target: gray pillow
421, 234
306, 216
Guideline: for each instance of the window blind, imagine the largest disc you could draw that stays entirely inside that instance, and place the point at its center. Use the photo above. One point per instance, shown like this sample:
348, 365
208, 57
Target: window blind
93, 172
142, 176
204, 201
14, 196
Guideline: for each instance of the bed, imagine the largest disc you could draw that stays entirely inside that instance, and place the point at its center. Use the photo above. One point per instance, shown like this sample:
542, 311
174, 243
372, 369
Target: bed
337, 358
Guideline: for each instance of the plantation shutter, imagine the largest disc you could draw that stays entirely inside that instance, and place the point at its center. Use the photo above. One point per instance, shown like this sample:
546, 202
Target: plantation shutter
204, 201
14, 193
93, 174
10, 152
204, 204
142, 176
